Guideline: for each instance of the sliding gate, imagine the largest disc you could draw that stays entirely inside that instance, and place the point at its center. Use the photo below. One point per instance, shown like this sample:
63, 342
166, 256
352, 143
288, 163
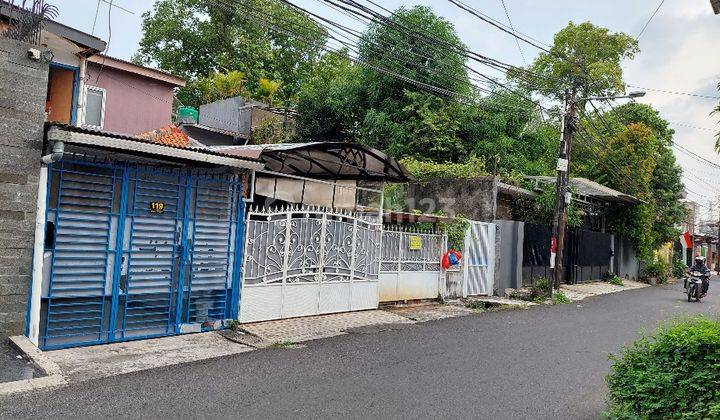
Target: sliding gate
136, 252
309, 261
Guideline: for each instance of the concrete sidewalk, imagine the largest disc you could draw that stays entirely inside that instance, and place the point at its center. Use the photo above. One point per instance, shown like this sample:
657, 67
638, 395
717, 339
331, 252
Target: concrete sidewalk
576, 292
298, 330
85, 363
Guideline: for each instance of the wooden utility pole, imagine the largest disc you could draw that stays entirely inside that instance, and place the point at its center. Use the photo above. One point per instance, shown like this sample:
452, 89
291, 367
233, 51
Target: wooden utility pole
562, 192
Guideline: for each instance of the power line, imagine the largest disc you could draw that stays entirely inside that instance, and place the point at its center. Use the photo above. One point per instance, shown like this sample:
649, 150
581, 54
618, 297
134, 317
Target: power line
674, 92
517, 41
97, 12
117, 6
682, 124
417, 34
494, 23
650, 20
695, 155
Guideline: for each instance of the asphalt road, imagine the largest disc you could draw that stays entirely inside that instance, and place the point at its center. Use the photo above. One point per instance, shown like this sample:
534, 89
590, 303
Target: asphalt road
546, 362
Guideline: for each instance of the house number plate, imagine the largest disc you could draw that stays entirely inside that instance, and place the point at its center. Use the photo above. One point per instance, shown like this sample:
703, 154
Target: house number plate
157, 207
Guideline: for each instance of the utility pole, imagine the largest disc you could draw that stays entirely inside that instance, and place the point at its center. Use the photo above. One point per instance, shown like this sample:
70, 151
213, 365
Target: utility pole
562, 193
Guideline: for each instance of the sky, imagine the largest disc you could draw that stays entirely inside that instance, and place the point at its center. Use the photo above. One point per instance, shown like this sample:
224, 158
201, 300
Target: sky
679, 52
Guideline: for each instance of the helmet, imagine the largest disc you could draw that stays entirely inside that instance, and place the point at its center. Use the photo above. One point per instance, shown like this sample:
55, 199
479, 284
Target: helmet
699, 259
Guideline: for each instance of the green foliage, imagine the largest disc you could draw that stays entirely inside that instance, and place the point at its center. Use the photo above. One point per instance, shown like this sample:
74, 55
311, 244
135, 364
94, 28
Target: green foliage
270, 131
678, 268
383, 45
356, 103
672, 374
559, 298
613, 278
456, 231
194, 38
425, 171
637, 160
330, 104
395, 196
656, 268
282, 345
599, 53
542, 209
218, 86
665, 183
538, 291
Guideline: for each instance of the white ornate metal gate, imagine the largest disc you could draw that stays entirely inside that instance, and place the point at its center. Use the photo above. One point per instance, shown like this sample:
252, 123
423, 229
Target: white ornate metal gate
309, 261
410, 267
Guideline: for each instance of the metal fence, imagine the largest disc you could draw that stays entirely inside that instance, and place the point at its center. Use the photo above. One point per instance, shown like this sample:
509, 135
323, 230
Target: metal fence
410, 267
305, 261
411, 250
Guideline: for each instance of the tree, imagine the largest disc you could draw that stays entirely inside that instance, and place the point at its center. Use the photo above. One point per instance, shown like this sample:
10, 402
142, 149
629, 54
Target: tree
666, 184
637, 160
599, 54
330, 103
363, 103
196, 39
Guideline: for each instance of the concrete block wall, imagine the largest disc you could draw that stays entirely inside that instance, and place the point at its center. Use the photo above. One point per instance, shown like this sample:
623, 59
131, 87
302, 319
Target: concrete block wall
474, 198
23, 89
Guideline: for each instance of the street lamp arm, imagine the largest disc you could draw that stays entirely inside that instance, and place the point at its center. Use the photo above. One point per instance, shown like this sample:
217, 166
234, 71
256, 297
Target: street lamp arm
631, 95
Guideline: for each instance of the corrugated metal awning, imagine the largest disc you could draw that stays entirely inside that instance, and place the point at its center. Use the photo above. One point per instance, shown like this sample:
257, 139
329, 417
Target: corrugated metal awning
133, 145
586, 187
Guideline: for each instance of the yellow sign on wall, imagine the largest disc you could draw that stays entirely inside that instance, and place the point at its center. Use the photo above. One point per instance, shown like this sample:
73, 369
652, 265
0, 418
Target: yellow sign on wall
415, 243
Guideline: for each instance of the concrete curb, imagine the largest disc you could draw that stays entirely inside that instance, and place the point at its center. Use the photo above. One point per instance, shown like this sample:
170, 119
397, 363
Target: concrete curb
49, 368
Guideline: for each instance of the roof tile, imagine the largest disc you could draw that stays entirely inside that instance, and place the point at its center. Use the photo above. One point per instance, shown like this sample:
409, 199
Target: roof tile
169, 135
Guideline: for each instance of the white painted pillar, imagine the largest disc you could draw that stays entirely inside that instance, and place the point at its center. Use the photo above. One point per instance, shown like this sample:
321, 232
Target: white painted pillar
38, 258
80, 116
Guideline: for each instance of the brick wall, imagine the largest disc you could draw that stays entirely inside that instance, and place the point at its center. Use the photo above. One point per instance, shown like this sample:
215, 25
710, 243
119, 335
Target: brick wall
23, 85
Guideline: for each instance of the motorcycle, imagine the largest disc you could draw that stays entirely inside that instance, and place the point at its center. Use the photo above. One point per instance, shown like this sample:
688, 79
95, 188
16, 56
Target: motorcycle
694, 286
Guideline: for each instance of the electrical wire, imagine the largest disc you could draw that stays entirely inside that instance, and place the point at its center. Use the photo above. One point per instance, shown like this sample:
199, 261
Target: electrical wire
97, 12
642, 31
517, 41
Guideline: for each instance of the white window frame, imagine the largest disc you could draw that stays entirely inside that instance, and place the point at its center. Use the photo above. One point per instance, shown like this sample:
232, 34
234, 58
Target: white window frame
102, 109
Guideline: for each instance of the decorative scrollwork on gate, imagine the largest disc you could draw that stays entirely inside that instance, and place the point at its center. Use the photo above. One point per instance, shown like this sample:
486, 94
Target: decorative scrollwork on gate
310, 245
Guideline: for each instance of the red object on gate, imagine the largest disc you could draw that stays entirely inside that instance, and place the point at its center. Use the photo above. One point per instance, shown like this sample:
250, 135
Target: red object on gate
553, 245
446, 262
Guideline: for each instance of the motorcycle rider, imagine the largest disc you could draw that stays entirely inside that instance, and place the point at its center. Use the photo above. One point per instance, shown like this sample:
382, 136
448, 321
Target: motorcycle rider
701, 267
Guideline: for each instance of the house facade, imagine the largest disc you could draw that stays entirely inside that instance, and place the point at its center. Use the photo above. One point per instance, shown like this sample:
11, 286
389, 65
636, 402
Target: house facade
47, 76
122, 97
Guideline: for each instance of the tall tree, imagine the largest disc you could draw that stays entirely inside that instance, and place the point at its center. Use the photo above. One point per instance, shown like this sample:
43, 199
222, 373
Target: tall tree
620, 166
263, 39
598, 53
366, 103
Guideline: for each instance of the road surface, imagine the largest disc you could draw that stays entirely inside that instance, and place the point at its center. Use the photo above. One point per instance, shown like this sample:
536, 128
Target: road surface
545, 362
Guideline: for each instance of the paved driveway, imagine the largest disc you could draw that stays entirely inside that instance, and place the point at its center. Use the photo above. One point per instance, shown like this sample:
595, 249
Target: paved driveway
545, 362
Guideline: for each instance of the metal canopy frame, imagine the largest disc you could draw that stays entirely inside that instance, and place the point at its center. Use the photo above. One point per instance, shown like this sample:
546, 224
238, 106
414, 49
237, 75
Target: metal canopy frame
324, 160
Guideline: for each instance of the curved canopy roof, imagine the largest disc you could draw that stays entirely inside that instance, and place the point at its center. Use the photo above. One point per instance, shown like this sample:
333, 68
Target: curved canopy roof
324, 160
